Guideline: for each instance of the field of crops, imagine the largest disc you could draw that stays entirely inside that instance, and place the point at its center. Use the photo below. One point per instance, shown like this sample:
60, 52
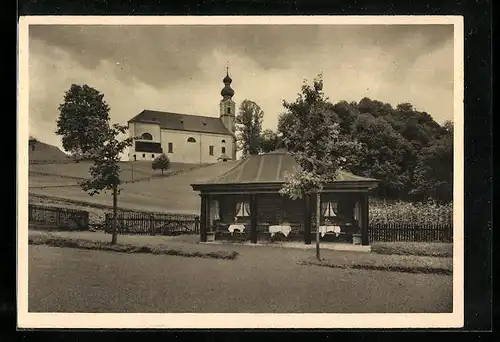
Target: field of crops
427, 213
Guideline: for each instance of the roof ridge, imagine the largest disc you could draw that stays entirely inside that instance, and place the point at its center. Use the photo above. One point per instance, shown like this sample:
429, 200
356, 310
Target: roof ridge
188, 114
231, 169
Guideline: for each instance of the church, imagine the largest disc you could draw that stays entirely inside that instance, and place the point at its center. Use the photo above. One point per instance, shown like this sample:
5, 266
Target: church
186, 138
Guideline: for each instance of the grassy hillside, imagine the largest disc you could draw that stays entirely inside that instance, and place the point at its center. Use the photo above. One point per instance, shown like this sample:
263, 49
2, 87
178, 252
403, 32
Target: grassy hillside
42, 152
129, 171
159, 194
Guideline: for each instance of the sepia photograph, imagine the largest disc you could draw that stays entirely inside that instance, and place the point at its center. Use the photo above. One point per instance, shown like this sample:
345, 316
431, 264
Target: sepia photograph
240, 172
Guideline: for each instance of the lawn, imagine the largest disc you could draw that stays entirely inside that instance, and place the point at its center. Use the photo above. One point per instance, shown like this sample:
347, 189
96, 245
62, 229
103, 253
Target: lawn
259, 280
414, 248
129, 171
168, 194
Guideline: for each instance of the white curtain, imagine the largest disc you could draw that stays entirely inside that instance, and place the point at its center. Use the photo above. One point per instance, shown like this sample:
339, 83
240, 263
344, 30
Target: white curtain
357, 213
215, 210
242, 209
329, 209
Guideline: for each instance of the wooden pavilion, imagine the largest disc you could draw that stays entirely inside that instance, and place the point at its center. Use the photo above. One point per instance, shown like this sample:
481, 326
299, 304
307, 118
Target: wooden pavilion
245, 202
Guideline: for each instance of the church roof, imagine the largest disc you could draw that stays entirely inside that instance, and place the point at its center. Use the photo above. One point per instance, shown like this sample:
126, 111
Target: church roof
182, 122
271, 169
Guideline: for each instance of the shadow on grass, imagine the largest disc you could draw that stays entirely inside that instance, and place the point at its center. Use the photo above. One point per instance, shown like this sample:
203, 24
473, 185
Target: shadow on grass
390, 268
441, 250
122, 248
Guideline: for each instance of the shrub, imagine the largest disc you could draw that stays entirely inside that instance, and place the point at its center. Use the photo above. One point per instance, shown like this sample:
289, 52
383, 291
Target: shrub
161, 163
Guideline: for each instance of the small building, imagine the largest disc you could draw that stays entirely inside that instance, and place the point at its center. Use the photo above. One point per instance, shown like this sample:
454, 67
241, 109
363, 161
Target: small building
247, 197
186, 138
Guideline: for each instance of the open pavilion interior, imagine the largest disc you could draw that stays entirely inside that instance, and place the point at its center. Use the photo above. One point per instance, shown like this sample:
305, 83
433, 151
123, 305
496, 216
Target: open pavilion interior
244, 204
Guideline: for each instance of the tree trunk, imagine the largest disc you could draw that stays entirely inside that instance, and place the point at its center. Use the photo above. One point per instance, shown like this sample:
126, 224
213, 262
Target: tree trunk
162, 172
318, 214
115, 200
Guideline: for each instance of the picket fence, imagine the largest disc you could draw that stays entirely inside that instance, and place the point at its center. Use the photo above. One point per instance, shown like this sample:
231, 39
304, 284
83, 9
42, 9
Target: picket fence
393, 232
46, 217
153, 224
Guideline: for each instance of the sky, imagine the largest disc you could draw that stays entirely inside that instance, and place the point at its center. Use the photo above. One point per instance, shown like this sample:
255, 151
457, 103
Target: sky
180, 68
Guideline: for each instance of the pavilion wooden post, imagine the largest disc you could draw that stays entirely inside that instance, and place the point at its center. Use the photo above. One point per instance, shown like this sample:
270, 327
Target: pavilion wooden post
253, 218
204, 218
364, 220
307, 219
318, 221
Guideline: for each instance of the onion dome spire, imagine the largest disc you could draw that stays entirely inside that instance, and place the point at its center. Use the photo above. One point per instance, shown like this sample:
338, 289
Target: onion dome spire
227, 91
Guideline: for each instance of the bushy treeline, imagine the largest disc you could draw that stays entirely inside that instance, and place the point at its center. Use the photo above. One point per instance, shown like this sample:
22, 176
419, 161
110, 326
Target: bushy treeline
406, 149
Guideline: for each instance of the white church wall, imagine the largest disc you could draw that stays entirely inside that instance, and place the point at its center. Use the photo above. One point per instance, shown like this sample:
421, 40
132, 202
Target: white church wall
194, 152
136, 130
153, 129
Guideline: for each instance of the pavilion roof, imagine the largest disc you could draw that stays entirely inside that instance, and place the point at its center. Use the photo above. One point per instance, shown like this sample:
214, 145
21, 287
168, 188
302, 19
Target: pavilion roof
271, 169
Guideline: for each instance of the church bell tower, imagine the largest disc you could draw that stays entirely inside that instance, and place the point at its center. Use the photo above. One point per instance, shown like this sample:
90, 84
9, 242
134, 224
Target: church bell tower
228, 109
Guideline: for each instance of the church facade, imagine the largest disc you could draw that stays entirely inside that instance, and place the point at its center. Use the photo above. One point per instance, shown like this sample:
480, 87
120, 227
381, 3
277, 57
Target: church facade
186, 138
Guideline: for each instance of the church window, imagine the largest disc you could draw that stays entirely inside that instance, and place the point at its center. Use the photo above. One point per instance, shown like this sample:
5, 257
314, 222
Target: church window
170, 147
223, 141
153, 156
146, 136
143, 155
191, 140
223, 149
229, 110
211, 150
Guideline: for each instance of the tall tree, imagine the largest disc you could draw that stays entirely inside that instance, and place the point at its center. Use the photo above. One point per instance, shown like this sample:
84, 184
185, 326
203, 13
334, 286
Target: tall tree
269, 141
433, 174
384, 155
105, 171
86, 132
249, 127
313, 138
81, 117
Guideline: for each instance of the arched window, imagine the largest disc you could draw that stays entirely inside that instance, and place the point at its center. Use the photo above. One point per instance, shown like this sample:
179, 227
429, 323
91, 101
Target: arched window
146, 136
223, 141
191, 140
223, 149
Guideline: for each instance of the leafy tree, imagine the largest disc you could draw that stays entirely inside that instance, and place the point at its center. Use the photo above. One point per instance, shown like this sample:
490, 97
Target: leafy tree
86, 133
81, 117
313, 138
161, 162
433, 174
347, 114
249, 127
384, 155
105, 171
269, 141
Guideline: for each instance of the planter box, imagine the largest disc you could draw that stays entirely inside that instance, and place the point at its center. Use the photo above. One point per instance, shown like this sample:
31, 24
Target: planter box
211, 236
356, 239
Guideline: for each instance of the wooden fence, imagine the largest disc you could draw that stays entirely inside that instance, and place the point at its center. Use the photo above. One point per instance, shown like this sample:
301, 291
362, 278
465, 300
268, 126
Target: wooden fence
391, 232
41, 216
153, 224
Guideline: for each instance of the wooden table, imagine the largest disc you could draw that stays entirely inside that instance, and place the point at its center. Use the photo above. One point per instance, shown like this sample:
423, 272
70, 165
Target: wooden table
285, 229
233, 227
329, 229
